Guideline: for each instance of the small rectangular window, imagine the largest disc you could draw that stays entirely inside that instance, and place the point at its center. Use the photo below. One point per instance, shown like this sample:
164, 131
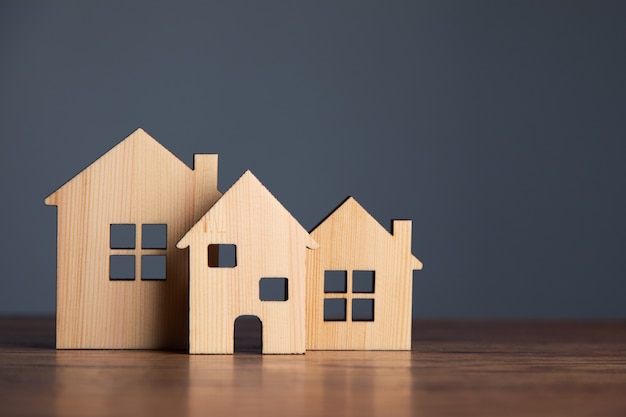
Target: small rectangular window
335, 281
122, 236
153, 267
362, 309
273, 289
222, 256
154, 236
335, 309
122, 267
363, 281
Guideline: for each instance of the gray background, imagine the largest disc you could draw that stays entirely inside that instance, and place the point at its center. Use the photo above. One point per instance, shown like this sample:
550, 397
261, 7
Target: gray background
498, 127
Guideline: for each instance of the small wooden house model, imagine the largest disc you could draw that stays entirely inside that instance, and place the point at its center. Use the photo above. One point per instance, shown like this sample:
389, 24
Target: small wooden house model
121, 282
267, 248
359, 283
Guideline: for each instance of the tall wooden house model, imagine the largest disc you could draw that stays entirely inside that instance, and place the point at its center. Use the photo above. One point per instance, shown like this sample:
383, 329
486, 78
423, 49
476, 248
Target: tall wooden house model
122, 283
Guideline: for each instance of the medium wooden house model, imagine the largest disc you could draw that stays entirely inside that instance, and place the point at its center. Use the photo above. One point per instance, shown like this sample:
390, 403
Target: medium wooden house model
268, 248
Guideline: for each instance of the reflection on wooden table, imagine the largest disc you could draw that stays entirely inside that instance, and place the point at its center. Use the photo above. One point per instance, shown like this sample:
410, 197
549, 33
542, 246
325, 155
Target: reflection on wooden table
455, 368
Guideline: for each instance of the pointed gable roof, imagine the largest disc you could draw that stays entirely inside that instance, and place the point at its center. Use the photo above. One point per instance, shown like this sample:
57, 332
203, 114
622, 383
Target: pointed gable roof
247, 190
136, 145
351, 215
350, 208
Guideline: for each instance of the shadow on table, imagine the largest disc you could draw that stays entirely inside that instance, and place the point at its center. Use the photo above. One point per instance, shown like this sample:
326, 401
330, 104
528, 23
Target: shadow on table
27, 332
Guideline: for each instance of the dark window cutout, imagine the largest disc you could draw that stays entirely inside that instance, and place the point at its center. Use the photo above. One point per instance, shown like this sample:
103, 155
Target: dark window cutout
273, 289
222, 256
335, 281
363, 281
154, 236
122, 236
362, 309
335, 309
122, 267
153, 267
248, 336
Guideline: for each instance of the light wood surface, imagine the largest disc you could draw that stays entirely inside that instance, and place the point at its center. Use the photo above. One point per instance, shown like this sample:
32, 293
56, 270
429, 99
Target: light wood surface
137, 182
269, 243
351, 240
464, 368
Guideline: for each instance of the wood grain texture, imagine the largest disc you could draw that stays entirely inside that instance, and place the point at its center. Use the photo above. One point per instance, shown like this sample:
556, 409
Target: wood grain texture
456, 368
137, 182
270, 243
350, 239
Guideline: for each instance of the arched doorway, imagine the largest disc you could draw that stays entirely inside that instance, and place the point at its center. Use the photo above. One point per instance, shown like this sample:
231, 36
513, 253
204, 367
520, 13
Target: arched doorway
248, 335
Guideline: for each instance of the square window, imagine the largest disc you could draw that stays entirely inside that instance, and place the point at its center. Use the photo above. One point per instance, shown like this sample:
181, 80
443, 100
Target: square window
122, 236
122, 267
273, 289
335, 309
335, 281
153, 267
154, 236
222, 256
363, 281
362, 309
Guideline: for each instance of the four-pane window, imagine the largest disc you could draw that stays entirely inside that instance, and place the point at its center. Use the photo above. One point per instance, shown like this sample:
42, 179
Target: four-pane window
134, 254
358, 292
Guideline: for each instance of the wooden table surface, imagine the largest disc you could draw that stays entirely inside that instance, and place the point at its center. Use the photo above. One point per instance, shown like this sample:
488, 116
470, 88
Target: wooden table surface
456, 368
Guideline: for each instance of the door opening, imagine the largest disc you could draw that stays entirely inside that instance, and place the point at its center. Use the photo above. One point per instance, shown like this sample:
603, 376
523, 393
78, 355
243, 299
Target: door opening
248, 335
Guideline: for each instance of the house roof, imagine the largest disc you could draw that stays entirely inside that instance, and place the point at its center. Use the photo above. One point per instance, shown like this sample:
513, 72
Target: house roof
246, 191
351, 211
137, 141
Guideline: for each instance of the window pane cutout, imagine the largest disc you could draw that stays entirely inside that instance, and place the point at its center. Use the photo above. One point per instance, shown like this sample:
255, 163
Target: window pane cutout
273, 289
335, 309
122, 236
154, 236
122, 267
222, 256
362, 309
363, 281
335, 281
153, 267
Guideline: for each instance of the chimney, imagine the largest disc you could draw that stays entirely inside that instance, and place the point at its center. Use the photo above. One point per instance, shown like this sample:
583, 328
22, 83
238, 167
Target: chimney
205, 192
402, 232
402, 235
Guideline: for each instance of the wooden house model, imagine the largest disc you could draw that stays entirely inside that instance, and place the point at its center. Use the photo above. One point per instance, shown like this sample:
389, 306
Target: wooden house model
269, 248
359, 283
121, 282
